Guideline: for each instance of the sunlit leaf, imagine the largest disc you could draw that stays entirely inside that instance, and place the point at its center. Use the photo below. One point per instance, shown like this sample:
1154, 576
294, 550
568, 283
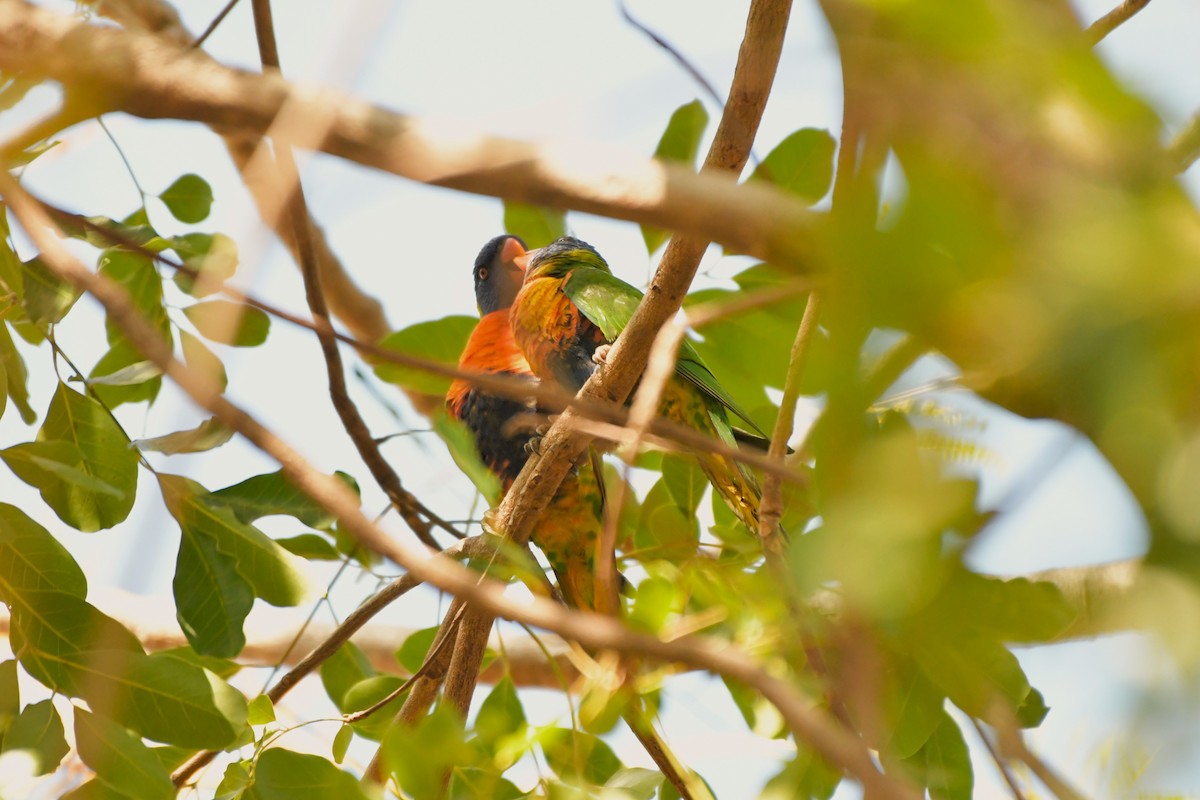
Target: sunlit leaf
341, 743
500, 715
802, 163
577, 755
48, 464
136, 274
38, 728
462, 449
418, 756
106, 456
135, 373
47, 298
119, 758
33, 560
108, 377
229, 323
415, 648
260, 711
679, 142
440, 340
189, 198
365, 694
15, 376
199, 358
207, 435
309, 546
346, 667
536, 226
214, 256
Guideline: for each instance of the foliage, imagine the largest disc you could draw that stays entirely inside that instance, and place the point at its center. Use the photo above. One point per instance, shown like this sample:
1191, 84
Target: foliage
1035, 194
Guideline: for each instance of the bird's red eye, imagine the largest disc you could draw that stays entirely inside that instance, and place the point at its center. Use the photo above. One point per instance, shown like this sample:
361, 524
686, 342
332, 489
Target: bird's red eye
483, 273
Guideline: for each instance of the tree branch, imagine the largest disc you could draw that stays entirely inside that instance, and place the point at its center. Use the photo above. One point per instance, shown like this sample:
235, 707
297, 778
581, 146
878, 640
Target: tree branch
1114, 19
149, 77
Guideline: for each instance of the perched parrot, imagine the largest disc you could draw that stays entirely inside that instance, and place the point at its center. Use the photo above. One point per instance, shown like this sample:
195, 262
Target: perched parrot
570, 526
571, 305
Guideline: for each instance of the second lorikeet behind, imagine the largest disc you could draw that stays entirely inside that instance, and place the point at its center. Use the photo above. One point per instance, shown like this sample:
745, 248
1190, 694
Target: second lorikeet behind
570, 305
570, 526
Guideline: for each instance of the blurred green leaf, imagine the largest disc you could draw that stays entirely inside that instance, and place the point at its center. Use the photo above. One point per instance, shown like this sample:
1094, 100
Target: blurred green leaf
214, 256
679, 142
418, 756
38, 728
1033, 710
10, 691
46, 297
229, 323
120, 360
260, 711
346, 667
199, 358
189, 198
106, 456
341, 743
135, 373
469, 783
807, 775
209, 434
574, 755
462, 449
914, 707
136, 274
440, 340
119, 758
536, 226
367, 693
501, 714
685, 481
284, 775
655, 600
944, 763
309, 546
802, 163
412, 652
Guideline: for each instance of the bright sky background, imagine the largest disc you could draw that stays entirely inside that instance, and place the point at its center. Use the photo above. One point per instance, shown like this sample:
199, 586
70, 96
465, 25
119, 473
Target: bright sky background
541, 70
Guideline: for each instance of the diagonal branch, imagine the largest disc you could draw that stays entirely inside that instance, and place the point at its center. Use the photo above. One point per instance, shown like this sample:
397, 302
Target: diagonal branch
1114, 19
150, 77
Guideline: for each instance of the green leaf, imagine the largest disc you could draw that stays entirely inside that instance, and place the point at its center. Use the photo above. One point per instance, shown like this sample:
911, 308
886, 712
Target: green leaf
212, 599
1016, 610
341, 743
221, 667
119, 758
915, 709
210, 434
417, 756
234, 782
214, 256
260, 711
470, 783
73, 648
663, 527
367, 693
284, 775
679, 142
412, 652
200, 359
440, 340
501, 714
46, 464
972, 670
229, 323
47, 298
807, 775
685, 481
33, 560
346, 667
38, 728
276, 575
10, 694
656, 598
272, 493
535, 225
1033, 710
135, 272
123, 359
189, 198
947, 763
135, 373
574, 755
310, 546
462, 449
107, 457
13, 367
802, 164
635, 783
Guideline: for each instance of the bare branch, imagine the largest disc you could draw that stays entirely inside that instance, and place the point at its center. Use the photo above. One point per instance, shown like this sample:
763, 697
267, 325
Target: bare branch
149, 77
1185, 147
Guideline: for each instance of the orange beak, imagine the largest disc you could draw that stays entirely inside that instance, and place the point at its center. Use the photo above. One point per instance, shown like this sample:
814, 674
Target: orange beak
514, 252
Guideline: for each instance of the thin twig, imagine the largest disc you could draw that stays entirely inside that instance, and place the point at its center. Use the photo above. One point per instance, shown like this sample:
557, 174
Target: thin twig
212, 26
1114, 19
1185, 147
999, 761
1012, 745
292, 188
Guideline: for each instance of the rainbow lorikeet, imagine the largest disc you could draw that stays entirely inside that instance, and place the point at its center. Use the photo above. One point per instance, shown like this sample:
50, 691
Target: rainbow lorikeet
570, 526
571, 305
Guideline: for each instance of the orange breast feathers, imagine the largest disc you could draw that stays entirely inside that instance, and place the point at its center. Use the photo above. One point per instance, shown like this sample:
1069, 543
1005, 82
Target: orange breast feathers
490, 348
545, 323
